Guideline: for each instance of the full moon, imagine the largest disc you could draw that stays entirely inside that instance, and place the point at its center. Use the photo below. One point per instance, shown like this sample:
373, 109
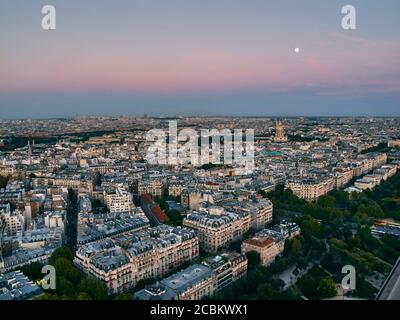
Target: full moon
297, 50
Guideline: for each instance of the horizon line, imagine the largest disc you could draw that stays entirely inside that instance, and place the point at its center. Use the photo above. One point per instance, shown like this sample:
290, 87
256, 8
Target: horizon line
162, 117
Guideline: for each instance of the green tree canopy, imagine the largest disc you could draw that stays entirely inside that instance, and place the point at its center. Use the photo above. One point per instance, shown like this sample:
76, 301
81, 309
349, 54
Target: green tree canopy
63, 252
327, 288
33, 271
253, 258
96, 290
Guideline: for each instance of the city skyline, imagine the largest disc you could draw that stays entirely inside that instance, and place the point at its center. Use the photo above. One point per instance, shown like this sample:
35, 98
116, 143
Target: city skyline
98, 200
208, 58
225, 153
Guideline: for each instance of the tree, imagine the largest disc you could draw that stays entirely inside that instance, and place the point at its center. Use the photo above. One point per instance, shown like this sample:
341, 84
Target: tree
208, 166
278, 284
41, 210
125, 296
309, 226
372, 209
376, 211
327, 288
175, 217
290, 294
96, 290
163, 204
267, 292
33, 271
62, 252
96, 203
83, 296
294, 245
98, 179
235, 246
389, 204
253, 258
326, 201
308, 284
361, 218
364, 289
302, 263
391, 241
64, 287
47, 297
3, 181
66, 269
342, 197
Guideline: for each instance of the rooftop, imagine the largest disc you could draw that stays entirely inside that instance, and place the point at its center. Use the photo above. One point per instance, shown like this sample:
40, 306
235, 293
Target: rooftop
186, 278
261, 242
16, 286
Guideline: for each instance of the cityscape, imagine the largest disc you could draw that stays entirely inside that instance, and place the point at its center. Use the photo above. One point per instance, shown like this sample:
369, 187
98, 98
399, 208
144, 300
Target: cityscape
217, 152
80, 196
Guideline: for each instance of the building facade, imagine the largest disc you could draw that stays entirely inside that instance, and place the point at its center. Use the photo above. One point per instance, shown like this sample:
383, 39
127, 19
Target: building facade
193, 283
217, 228
120, 201
268, 244
123, 261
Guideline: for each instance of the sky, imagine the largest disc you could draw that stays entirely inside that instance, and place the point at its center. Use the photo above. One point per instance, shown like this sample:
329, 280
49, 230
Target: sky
209, 57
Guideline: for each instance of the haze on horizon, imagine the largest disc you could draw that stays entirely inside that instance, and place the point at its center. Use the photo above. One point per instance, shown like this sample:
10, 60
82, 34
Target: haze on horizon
210, 57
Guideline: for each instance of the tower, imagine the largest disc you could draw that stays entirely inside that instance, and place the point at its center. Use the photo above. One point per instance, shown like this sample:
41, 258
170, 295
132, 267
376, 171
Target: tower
280, 132
29, 149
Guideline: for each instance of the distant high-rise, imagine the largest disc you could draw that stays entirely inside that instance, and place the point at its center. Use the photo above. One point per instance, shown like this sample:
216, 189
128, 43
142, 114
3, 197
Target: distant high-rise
29, 149
280, 132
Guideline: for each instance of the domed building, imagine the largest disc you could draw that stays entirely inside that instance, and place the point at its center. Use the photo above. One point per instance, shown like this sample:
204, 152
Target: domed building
85, 205
280, 132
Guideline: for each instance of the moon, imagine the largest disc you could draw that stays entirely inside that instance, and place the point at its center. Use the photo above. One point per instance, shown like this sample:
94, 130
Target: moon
297, 50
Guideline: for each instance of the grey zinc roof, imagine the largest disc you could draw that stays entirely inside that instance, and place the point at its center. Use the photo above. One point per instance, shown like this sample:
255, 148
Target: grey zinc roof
186, 278
16, 286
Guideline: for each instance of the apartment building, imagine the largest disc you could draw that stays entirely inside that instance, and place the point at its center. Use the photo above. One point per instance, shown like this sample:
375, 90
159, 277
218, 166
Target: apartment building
217, 228
342, 177
12, 195
366, 183
193, 198
394, 143
386, 171
228, 268
311, 189
7, 170
368, 162
155, 187
120, 201
93, 227
72, 182
16, 286
54, 219
175, 188
260, 211
193, 283
268, 244
288, 230
25, 256
125, 260
14, 221
370, 181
